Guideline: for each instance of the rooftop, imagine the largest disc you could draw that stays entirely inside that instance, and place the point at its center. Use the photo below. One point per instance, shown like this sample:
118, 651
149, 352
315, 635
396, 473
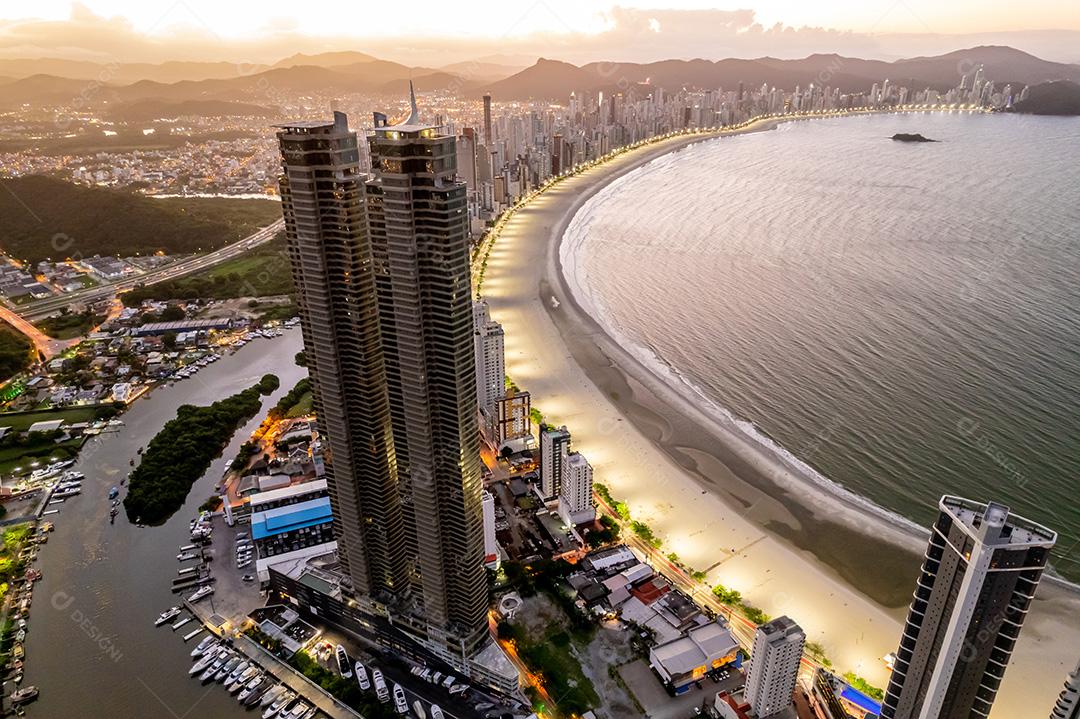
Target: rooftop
994, 524
290, 517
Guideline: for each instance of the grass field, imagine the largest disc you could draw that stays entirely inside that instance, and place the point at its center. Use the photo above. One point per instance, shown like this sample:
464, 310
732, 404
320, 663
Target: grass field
262, 272
21, 421
13, 457
301, 408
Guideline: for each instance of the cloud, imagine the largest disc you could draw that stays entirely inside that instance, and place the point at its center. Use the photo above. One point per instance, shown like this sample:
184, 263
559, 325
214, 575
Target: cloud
628, 35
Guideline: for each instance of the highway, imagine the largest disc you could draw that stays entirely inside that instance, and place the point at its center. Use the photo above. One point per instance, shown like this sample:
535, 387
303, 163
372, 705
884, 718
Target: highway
43, 343
44, 308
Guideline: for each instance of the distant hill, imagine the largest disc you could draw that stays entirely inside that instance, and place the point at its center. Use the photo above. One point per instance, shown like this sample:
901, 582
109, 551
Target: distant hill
1060, 97
123, 73
550, 79
143, 110
477, 71
49, 218
357, 72
326, 59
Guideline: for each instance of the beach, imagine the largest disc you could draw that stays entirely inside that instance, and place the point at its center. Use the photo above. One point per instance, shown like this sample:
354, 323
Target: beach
724, 504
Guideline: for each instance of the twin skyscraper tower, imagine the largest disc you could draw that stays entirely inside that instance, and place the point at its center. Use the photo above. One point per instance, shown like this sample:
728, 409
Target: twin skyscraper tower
382, 272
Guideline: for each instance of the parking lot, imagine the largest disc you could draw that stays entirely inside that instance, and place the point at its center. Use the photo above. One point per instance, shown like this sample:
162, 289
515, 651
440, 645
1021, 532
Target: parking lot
398, 671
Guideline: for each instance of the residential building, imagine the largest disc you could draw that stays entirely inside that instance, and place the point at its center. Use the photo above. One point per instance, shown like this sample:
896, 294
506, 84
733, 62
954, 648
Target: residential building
513, 419
382, 273
1068, 704
774, 666
575, 497
978, 578
418, 223
490, 359
554, 446
491, 546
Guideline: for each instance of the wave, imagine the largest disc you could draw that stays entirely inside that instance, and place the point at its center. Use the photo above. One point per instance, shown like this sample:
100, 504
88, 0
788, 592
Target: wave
575, 275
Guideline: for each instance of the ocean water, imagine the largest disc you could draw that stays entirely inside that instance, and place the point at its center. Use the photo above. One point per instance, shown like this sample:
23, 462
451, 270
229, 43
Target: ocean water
903, 320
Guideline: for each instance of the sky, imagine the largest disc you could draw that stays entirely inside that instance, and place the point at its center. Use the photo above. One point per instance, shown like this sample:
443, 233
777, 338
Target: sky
436, 32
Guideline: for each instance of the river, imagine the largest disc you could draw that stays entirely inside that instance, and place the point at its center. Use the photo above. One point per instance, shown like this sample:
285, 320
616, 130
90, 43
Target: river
92, 648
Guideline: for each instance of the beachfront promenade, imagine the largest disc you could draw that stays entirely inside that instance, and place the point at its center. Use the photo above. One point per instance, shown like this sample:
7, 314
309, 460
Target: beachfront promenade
716, 500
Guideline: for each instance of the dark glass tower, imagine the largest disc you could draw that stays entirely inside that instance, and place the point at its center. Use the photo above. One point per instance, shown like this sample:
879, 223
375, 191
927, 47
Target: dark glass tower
978, 579
322, 200
418, 222
383, 278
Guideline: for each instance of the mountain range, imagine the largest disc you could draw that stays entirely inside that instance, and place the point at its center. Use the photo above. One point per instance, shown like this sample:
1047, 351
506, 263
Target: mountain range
63, 82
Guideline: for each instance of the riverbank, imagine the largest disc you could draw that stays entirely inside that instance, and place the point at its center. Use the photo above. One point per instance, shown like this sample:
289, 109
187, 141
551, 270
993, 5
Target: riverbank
718, 502
104, 584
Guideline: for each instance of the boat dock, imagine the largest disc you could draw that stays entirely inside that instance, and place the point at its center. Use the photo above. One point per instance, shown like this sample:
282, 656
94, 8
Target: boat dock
304, 687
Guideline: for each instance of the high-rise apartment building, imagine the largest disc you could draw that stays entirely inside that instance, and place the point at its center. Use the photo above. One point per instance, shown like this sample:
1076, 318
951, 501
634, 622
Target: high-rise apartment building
554, 446
979, 576
382, 270
774, 666
575, 496
490, 359
1068, 704
322, 200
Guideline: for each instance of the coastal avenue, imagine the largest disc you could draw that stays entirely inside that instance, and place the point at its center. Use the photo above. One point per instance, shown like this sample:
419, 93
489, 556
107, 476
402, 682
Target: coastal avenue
39, 310
93, 649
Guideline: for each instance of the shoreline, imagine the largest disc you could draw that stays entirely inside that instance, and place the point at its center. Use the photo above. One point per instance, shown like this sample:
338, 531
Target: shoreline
847, 579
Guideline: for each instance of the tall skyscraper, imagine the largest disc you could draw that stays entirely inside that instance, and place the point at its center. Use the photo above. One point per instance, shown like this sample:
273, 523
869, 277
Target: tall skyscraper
554, 446
488, 139
322, 201
774, 666
981, 570
382, 270
1068, 704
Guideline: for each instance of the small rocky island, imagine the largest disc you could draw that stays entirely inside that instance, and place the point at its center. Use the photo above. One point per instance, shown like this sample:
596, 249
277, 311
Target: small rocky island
906, 137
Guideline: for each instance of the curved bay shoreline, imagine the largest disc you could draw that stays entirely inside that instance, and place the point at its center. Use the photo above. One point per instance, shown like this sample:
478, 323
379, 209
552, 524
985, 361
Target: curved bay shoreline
717, 498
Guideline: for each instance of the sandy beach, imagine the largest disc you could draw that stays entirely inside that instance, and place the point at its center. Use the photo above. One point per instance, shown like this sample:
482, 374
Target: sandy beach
721, 502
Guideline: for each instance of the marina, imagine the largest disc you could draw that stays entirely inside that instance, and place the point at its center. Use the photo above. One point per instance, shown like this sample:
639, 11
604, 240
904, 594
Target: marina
106, 583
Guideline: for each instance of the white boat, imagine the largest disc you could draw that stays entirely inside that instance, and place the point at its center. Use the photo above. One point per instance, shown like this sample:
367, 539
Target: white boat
236, 673
298, 709
186, 556
278, 704
362, 677
242, 680
271, 695
418, 709
203, 646
257, 679
165, 616
201, 592
436, 712
380, 686
343, 666
204, 663
400, 705
226, 669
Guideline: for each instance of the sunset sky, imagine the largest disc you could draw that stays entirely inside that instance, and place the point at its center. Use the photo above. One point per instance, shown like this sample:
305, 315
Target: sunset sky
567, 29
